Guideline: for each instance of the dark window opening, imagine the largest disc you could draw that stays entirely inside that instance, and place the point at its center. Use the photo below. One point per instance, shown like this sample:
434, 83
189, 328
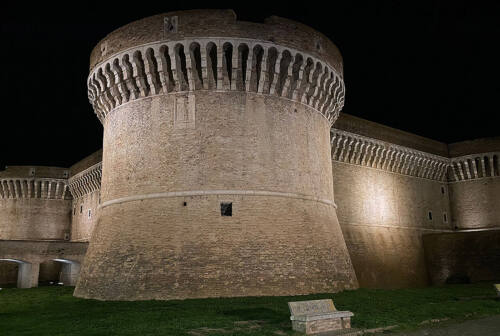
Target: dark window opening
442, 190
81, 208
445, 218
184, 204
226, 209
74, 211
430, 215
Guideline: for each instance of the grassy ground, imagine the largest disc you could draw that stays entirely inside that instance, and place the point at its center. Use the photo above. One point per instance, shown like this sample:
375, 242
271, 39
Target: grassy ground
54, 311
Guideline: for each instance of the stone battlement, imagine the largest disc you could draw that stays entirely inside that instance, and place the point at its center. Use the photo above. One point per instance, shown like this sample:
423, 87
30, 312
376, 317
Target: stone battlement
192, 24
474, 166
86, 181
44, 188
218, 64
357, 149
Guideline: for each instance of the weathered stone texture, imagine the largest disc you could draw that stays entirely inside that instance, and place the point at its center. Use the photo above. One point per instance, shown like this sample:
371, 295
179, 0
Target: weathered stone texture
34, 218
383, 216
84, 216
242, 149
218, 23
374, 130
34, 172
86, 162
475, 203
483, 145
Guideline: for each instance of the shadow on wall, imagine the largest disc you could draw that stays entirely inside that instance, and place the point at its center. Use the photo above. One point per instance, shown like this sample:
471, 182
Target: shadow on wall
8, 273
23, 274
463, 257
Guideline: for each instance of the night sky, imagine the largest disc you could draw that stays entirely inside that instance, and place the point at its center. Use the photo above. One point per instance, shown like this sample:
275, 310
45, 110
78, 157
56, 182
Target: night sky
426, 68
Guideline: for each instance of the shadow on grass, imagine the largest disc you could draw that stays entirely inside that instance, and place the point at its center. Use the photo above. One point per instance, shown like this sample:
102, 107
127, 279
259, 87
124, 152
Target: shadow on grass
261, 314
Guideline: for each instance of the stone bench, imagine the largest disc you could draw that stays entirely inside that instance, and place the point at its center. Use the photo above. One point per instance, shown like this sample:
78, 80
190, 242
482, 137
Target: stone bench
318, 316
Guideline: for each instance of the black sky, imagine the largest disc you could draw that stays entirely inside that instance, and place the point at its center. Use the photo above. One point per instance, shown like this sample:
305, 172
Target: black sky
430, 68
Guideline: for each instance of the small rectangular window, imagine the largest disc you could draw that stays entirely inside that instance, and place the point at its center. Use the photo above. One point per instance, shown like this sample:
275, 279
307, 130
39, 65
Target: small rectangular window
445, 218
442, 190
89, 213
226, 209
81, 208
74, 211
430, 215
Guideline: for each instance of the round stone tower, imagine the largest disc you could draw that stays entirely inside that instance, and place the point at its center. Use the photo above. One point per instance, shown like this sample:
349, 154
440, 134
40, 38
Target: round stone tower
216, 164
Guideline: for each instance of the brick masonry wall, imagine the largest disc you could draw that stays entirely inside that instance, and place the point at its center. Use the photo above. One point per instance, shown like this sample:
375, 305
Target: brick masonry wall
86, 162
475, 203
82, 223
383, 216
33, 218
274, 244
217, 23
473, 256
349, 123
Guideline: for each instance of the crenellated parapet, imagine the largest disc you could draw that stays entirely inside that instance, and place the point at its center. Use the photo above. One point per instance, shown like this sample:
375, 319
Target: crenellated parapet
474, 166
42, 188
86, 182
217, 64
360, 150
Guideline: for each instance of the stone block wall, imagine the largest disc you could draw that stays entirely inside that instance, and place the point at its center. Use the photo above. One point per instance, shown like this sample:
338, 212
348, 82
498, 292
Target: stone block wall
34, 203
383, 216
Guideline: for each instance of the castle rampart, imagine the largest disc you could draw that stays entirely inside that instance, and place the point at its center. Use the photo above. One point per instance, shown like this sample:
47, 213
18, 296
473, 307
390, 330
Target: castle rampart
475, 184
34, 203
215, 64
393, 194
85, 187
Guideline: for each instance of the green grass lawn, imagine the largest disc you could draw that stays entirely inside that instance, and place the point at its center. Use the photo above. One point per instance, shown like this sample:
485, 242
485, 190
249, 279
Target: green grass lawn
54, 311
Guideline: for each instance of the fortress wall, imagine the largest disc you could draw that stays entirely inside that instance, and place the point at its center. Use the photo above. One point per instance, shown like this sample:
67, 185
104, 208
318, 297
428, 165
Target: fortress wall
463, 256
241, 148
475, 183
218, 23
86, 162
85, 187
476, 203
34, 218
483, 145
34, 203
34, 171
82, 223
374, 130
383, 216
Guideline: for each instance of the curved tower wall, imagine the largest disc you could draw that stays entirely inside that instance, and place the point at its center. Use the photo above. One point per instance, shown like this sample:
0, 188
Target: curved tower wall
193, 122
34, 203
85, 185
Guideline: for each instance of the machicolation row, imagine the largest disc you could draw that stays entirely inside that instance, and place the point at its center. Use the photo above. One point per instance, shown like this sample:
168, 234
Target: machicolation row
475, 166
215, 64
356, 149
360, 150
86, 181
45, 188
